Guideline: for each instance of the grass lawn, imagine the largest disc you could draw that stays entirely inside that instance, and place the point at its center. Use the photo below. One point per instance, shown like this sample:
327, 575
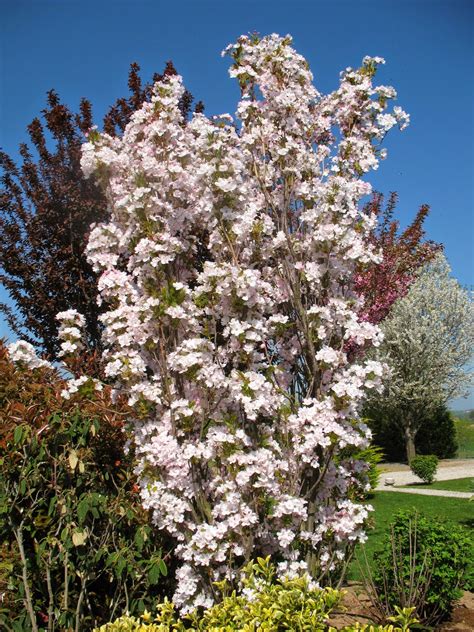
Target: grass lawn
465, 437
454, 485
386, 504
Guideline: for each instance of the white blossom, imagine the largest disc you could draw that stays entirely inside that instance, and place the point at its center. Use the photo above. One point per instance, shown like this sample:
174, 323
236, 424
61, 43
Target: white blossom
22, 352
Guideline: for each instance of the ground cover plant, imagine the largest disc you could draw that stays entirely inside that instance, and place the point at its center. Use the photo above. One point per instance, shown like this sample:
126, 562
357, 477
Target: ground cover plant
228, 266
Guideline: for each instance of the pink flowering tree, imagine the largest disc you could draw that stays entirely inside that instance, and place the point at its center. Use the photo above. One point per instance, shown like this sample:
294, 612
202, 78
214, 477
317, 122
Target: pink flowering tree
227, 267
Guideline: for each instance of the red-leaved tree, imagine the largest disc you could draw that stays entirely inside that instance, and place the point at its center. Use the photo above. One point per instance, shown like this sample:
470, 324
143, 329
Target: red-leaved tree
403, 254
46, 209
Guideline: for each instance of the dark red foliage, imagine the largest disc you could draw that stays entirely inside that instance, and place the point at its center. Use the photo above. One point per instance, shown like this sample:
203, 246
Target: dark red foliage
46, 209
402, 256
119, 114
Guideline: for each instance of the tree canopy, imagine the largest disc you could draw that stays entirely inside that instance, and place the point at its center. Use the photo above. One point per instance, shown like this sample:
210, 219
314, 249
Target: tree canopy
428, 342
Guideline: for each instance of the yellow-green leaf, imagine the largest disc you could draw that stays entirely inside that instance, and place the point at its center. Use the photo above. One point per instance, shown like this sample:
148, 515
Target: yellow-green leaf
79, 537
73, 460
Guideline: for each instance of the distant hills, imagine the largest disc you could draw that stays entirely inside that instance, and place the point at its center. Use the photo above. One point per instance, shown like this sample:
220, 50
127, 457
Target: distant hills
464, 414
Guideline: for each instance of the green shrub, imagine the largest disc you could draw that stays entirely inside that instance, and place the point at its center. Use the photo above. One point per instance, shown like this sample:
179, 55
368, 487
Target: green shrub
373, 455
423, 564
266, 604
77, 545
133, 624
425, 466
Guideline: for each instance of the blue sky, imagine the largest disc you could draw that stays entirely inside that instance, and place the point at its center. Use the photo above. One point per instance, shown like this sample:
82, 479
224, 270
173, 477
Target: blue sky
82, 48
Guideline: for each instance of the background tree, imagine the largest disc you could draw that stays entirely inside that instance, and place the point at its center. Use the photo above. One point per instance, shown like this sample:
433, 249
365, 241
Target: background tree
436, 434
403, 254
46, 209
429, 336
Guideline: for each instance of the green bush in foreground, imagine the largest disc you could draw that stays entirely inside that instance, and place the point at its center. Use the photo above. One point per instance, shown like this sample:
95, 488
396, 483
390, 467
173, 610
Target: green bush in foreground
425, 467
266, 603
76, 545
423, 564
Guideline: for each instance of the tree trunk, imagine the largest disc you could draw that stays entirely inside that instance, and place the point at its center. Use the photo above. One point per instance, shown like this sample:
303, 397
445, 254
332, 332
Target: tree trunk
410, 443
18, 532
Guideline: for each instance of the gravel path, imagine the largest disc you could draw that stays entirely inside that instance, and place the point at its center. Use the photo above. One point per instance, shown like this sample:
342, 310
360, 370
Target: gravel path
447, 470
425, 492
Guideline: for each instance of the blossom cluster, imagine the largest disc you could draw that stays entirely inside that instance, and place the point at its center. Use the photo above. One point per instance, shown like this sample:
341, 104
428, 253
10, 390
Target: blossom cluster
227, 270
70, 331
82, 384
24, 353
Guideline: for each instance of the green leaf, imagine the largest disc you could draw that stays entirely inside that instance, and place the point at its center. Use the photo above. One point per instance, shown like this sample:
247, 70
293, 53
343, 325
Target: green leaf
138, 540
52, 505
82, 509
163, 568
111, 559
154, 574
121, 563
18, 434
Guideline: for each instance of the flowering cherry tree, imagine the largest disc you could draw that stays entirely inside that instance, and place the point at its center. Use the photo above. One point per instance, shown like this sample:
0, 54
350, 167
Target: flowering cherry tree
227, 270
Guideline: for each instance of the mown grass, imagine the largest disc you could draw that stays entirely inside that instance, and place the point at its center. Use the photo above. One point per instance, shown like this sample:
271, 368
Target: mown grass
453, 485
386, 504
465, 437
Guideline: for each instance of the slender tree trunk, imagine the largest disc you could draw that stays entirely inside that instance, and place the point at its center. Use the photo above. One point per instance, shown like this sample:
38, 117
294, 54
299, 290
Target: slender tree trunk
410, 443
311, 557
28, 597
79, 605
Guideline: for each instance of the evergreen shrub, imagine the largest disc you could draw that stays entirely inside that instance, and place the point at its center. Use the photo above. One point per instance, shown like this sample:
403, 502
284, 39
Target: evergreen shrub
425, 466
